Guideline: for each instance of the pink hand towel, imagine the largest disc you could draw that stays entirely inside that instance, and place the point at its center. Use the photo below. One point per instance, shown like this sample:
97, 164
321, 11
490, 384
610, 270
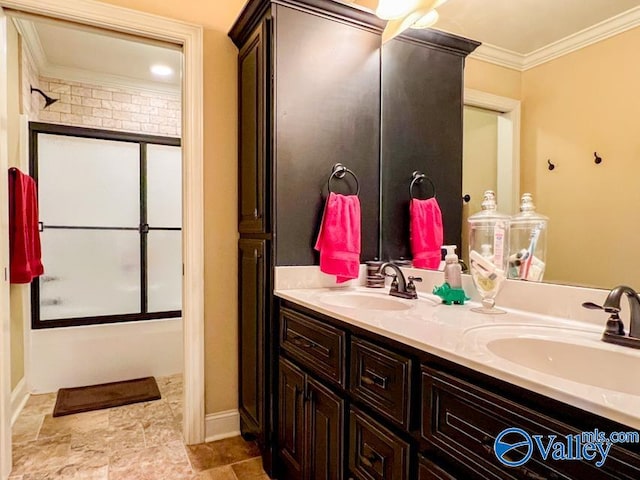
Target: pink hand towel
425, 233
24, 237
339, 238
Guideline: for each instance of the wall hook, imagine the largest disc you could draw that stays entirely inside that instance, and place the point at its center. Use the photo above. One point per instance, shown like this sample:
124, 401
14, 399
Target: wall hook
551, 165
598, 159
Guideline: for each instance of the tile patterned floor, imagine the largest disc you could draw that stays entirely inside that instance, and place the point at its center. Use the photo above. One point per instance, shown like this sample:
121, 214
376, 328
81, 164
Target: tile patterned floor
134, 442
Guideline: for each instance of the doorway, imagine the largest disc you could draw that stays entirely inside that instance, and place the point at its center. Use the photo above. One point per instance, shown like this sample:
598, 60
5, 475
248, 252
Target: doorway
491, 155
190, 39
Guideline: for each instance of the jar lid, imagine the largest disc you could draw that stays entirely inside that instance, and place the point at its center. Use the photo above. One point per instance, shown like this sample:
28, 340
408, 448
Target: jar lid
528, 211
489, 210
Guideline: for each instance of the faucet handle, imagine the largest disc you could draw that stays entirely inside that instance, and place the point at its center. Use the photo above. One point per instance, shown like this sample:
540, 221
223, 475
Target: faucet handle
595, 306
415, 279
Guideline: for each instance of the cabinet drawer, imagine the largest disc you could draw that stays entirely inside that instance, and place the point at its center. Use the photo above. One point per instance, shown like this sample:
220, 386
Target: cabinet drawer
375, 453
320, 348
381, 379
464, 420
427, 470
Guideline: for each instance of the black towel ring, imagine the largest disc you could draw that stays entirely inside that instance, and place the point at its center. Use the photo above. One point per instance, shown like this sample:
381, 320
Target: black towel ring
419, 177
339, 171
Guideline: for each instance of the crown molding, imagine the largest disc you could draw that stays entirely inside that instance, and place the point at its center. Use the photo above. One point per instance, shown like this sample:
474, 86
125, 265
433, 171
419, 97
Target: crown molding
47, 69
79, 75
499, 56
596, 33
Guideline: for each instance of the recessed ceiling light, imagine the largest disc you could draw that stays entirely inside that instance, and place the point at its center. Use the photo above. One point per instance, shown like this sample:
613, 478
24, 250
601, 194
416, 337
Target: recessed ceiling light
162, 70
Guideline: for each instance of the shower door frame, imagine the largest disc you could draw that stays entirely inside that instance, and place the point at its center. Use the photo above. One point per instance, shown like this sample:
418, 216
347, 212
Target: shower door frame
36, 128
190, 38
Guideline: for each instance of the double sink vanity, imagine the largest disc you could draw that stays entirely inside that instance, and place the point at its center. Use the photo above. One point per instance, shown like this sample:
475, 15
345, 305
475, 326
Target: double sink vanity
381, 387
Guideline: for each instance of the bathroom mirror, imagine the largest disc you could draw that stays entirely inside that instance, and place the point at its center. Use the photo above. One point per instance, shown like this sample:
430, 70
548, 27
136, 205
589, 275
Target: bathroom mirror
570, 64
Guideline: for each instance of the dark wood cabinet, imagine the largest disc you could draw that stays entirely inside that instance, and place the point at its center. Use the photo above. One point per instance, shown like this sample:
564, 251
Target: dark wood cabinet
252, 271
460, 413
252, 154
310, 427
376, 453
324, 433
291, 428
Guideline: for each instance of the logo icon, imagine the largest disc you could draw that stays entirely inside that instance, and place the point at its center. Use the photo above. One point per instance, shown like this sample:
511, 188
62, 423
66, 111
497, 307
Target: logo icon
513, 447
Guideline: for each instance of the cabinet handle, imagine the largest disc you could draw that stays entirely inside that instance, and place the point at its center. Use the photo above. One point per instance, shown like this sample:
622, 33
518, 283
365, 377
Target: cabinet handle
371, 458
301, 342
487, 443
373, 379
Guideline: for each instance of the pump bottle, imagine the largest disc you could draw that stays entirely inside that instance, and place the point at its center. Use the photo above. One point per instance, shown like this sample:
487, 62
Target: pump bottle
452, 269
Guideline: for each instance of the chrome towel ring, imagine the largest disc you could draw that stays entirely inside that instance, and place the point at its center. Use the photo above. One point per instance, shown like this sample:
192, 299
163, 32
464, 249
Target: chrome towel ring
418, 178
339, 171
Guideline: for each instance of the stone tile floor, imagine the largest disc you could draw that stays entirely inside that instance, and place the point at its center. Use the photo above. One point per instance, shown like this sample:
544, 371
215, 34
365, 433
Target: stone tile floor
142, 441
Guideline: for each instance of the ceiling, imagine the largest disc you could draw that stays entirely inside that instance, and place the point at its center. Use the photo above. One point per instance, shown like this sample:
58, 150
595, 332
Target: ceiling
523, 33
86, 55
524, 26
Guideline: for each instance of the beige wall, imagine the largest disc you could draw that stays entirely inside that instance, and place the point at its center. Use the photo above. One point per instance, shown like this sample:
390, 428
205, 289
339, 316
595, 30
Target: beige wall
220, 179
491, 78
13, 131
584, 102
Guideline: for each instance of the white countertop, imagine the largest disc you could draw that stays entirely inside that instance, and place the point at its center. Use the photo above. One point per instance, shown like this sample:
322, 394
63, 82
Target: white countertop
459, 335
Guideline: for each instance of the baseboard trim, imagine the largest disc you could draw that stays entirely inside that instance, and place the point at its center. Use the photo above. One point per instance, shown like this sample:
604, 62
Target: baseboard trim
222, 425
19, 398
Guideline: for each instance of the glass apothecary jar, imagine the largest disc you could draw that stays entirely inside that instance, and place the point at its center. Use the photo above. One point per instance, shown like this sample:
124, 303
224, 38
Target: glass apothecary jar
488, 252
528, 242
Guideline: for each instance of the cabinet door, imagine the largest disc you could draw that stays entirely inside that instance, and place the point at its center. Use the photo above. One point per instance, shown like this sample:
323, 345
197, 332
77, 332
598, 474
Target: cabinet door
251, 331
291, 419
324, 433
252, 88
428, 470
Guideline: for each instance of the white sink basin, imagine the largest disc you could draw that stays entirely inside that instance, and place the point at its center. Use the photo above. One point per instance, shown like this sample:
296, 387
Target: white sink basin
588, 364
364, 301
575, 354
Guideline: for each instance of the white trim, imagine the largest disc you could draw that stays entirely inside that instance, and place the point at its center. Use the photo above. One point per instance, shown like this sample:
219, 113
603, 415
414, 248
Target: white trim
19, 398
190, 36
5, 316
596, 33
222, 425
508, 143
499, 56
106, 80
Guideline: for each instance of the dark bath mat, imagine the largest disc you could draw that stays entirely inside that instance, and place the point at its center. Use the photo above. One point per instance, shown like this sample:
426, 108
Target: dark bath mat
106, 395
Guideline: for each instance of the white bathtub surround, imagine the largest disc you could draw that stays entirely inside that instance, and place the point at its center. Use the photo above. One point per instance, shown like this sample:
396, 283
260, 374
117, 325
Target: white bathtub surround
77, 356
543, 298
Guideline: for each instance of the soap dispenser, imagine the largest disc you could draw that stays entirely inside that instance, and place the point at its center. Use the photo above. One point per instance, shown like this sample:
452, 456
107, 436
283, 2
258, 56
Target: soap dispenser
451, 290
452, 268
528, 246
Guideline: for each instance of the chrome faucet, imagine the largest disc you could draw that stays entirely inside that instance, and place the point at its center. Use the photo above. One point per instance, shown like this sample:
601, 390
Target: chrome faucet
614, 331
399, 286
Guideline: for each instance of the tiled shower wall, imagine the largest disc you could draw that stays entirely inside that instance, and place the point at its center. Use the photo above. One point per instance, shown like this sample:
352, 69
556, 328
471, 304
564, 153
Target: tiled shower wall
129, 110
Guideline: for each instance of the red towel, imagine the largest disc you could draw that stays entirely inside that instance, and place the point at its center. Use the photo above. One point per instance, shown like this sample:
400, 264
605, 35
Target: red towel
24, 237
339, 238
425, 233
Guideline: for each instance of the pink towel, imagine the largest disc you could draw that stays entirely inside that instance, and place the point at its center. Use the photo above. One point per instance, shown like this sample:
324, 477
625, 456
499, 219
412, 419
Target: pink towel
24, 237
339, 238
425, 233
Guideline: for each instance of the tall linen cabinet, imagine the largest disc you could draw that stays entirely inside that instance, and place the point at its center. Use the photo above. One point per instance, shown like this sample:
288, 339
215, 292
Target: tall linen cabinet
310, 94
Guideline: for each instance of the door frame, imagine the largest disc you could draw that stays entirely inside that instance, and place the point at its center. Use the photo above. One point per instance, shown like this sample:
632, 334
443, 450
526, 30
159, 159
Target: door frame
508, 143
190, 38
